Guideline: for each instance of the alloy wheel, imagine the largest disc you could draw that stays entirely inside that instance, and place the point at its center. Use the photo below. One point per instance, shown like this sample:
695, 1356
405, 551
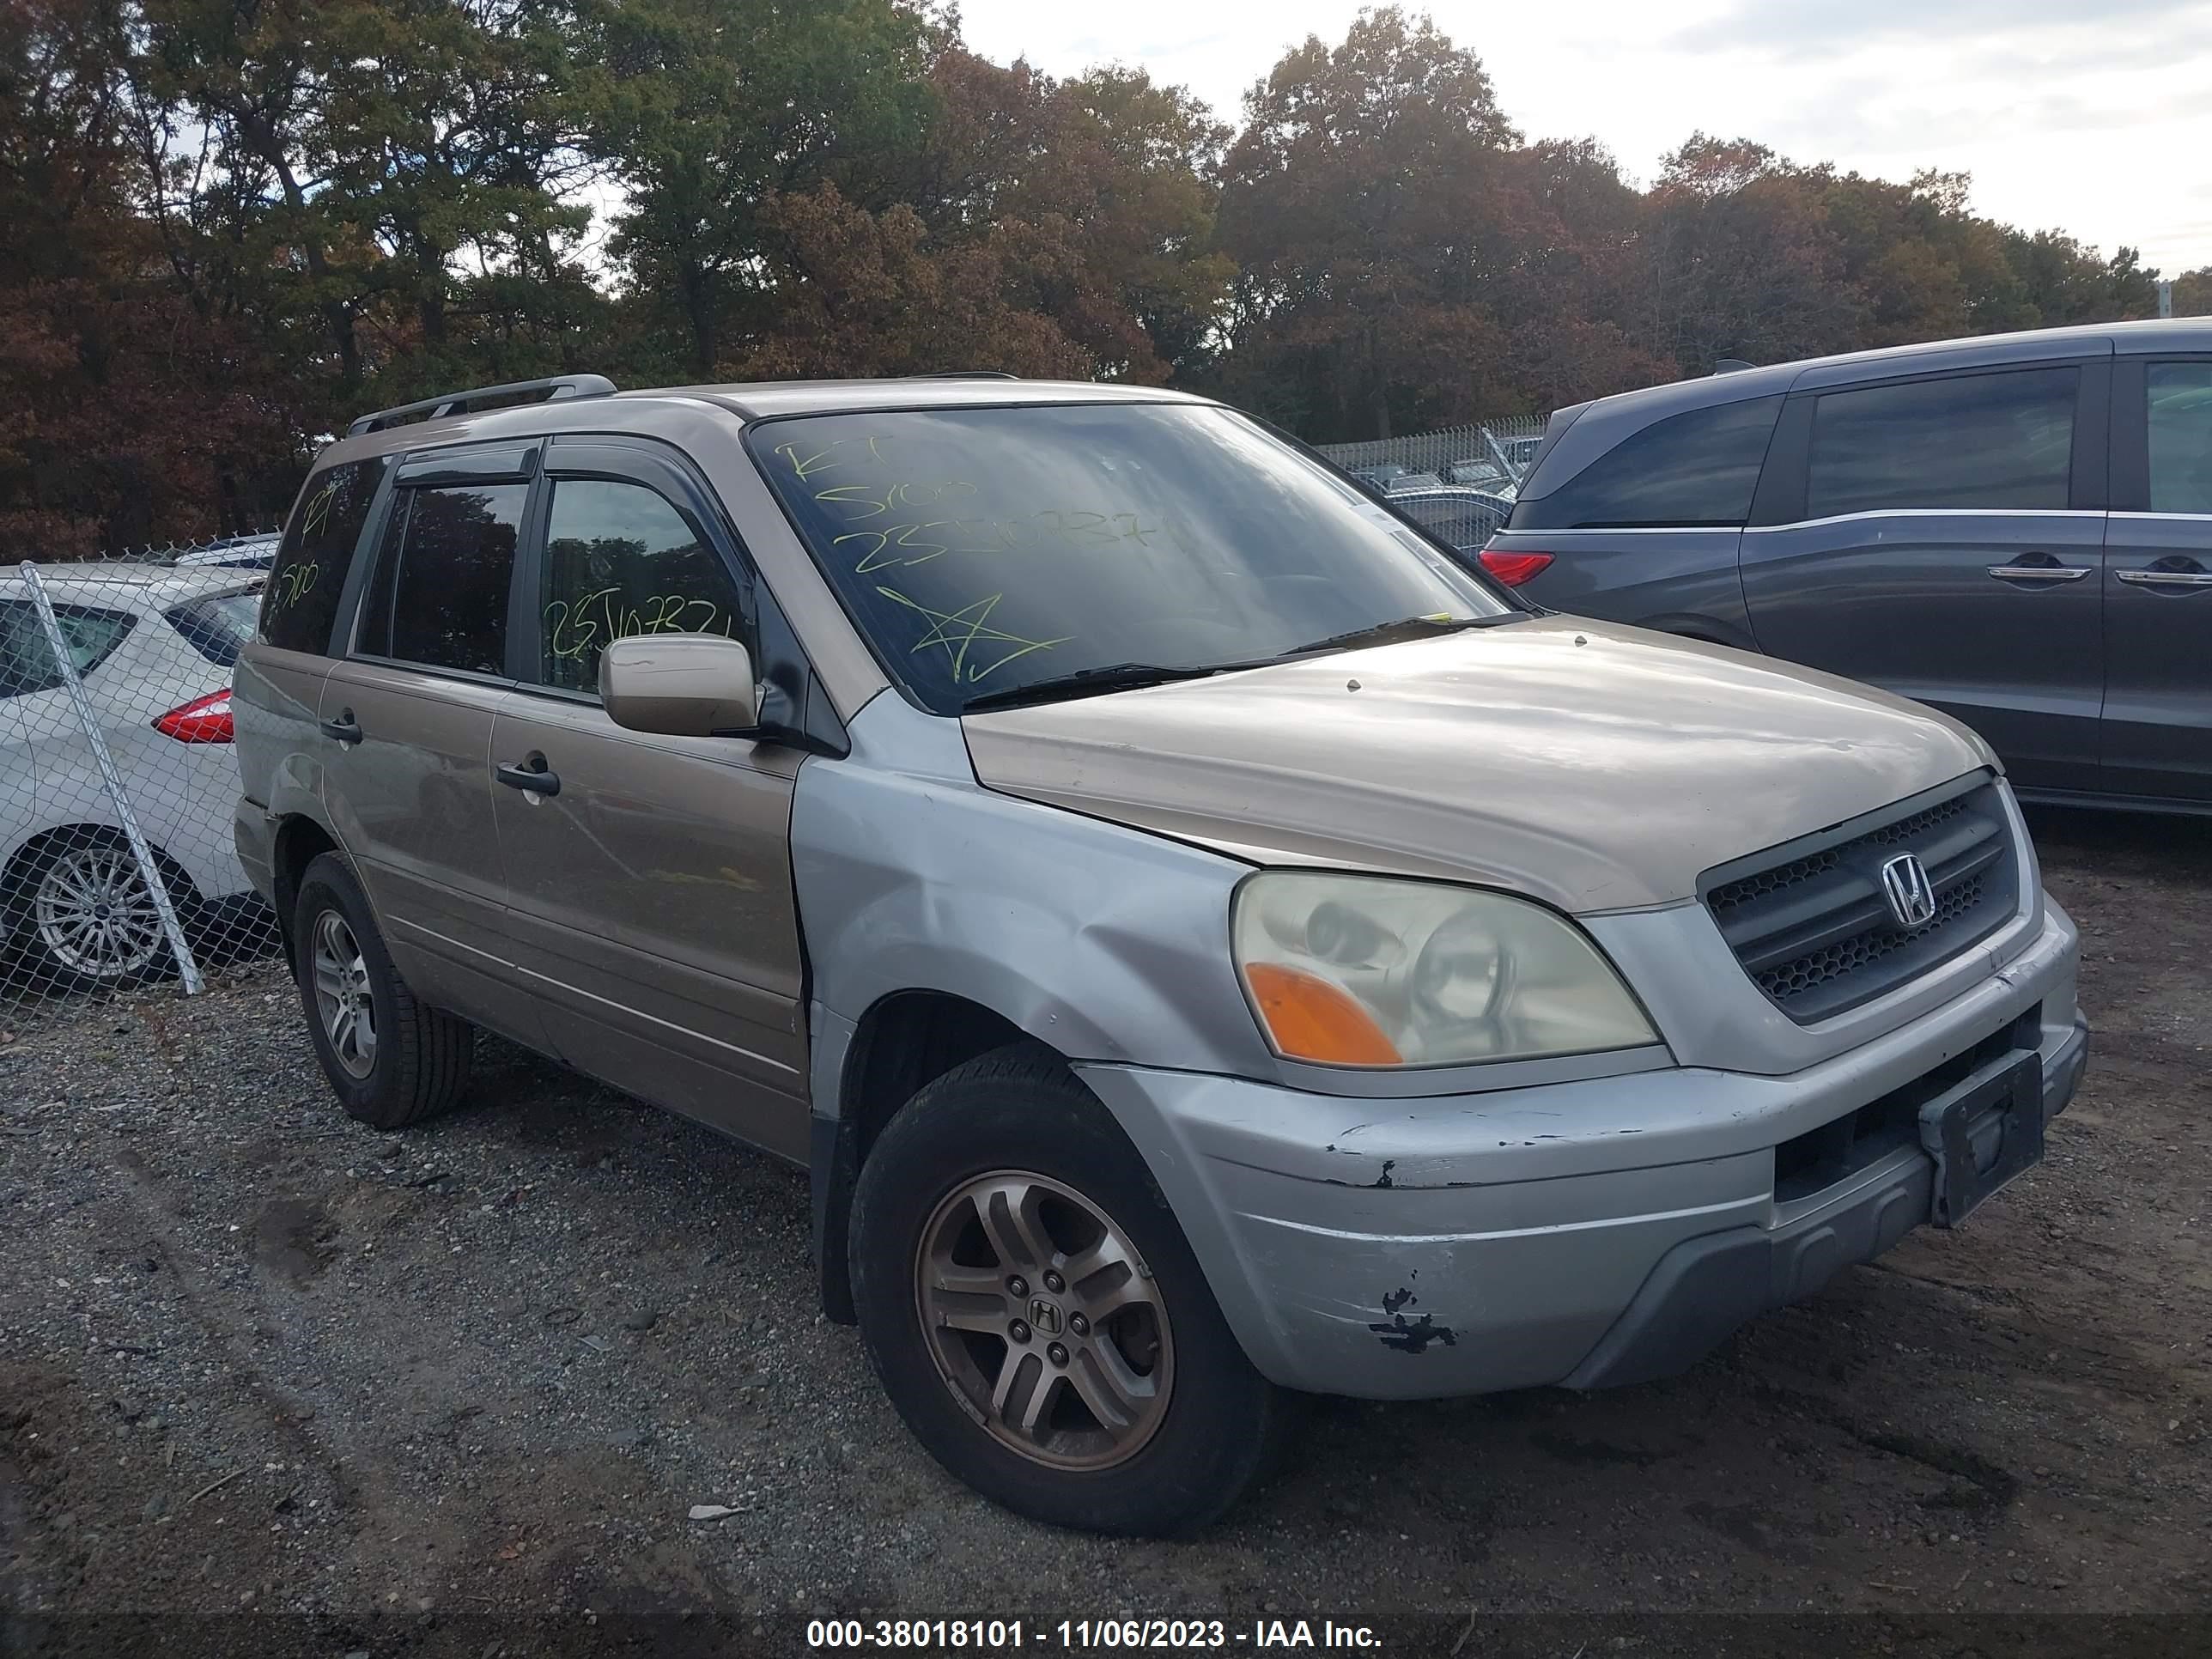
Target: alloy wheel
343, 996
95, 915
1043, 1321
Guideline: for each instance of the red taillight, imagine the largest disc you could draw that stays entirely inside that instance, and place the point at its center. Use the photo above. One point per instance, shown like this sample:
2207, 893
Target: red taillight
1513, 568
204, 720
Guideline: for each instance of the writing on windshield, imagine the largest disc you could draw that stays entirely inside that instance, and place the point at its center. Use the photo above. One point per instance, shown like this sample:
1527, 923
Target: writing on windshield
980, 549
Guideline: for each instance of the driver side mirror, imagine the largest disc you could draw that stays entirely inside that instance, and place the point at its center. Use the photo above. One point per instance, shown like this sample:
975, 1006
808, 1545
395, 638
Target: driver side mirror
679, 685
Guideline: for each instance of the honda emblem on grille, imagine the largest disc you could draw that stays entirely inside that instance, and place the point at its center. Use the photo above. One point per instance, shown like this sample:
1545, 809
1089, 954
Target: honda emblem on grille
1912, 899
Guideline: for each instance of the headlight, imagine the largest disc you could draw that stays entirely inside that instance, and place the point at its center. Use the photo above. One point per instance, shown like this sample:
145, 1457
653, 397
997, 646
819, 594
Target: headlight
1363, 971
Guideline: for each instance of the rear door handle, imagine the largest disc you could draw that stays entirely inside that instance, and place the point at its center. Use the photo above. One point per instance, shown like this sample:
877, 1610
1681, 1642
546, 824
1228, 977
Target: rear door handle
532, 777
344, 728
2165, 578
2038, 573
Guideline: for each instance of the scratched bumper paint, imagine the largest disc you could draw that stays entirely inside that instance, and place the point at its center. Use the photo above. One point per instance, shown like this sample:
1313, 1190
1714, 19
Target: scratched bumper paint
1413, 1248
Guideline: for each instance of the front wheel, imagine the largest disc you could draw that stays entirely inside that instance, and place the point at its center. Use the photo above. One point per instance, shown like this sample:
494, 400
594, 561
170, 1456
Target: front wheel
1035, 1315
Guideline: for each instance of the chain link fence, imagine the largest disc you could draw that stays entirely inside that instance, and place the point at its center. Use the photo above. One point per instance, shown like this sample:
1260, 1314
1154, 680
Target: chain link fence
117, 777
1459, 483
1483, 456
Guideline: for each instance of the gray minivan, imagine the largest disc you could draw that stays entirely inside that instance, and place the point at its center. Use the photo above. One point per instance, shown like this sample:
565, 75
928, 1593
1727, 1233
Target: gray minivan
1203, 944
2015, 529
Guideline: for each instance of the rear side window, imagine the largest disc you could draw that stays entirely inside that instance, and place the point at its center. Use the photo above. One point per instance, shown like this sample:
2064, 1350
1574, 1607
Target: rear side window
441, 592
1699, 467
1970, 441
301, 601
621, 559
218, 628
26, 659
2180, 416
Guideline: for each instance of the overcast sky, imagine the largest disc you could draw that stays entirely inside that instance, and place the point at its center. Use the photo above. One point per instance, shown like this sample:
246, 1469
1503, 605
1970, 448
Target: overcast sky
2094, 117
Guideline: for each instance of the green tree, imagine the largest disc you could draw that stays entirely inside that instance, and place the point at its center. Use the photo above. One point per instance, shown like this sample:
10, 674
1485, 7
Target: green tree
1361, 203
704, 111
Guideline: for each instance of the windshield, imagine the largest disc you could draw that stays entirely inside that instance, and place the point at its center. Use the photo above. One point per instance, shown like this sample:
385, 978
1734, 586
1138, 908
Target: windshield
983, 550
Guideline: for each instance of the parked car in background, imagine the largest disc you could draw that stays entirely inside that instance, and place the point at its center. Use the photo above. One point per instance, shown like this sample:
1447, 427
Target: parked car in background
233, 553
2015, 529
1521, 451
1199, 938
154, 646
1395, 477
1463, 518
1483, 474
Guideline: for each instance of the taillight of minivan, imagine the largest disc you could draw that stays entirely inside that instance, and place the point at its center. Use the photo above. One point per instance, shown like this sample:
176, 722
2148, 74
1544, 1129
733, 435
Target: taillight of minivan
204, 720
1512, 569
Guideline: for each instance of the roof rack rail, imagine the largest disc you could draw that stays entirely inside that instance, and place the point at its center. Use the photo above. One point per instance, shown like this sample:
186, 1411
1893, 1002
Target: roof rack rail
552, 390
967, 374
1732, 366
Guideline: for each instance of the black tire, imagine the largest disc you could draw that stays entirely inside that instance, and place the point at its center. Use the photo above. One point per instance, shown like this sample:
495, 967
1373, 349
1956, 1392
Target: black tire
420, 1063
1020, 1108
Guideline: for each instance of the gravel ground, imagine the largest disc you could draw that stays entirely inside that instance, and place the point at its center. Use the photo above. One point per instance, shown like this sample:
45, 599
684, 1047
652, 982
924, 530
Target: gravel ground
269, 1381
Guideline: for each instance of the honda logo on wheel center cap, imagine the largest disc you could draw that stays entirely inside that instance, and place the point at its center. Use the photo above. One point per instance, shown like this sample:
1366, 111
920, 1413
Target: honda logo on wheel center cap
1912, 898
1045, 1316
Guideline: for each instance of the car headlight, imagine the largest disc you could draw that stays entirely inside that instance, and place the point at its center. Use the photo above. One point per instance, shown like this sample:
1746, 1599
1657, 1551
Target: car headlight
1366, 970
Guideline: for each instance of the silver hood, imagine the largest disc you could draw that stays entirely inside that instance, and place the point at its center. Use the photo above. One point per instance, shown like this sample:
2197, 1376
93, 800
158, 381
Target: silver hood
1594, 767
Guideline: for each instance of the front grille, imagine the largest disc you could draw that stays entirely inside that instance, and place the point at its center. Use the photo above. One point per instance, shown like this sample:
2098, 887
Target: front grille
1810, 921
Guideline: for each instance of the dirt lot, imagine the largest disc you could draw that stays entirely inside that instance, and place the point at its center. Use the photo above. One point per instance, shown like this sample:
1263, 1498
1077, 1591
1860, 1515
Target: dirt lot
293, 1386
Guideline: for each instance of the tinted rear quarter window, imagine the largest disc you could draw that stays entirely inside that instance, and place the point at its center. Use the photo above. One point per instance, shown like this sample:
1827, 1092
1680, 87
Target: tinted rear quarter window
300, 603
1964, 442
1699, 467
219, 627
2180, 418
441, 595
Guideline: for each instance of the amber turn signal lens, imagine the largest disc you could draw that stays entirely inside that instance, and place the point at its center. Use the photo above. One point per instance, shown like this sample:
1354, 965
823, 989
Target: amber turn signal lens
1311, 1020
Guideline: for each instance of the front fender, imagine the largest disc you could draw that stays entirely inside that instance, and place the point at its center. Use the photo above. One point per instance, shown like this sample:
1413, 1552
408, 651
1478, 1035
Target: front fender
1106, 943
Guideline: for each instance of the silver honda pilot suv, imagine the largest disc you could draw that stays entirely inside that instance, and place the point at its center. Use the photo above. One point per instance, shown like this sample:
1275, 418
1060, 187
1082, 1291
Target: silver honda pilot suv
1203, 943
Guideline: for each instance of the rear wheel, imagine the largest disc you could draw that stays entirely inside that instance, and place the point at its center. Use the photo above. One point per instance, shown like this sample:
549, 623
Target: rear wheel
88, 917
1036, 1316
389, 1059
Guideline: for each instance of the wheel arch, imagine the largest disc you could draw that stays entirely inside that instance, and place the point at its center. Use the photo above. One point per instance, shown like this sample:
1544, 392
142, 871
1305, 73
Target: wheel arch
300, 840
904, 1040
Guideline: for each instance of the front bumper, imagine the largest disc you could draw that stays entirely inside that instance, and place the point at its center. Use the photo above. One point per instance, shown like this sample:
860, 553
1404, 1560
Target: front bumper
1593, 1232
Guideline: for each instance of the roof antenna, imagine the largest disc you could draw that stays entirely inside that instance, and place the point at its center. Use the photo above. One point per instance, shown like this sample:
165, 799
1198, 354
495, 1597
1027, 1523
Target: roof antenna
1732, 366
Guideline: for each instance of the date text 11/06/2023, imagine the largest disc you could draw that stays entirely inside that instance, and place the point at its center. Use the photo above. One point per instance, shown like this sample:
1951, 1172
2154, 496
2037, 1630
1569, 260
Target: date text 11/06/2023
1119, 1634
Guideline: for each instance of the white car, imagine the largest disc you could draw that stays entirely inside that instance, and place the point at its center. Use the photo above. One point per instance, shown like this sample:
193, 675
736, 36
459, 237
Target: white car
155, 645
257, 552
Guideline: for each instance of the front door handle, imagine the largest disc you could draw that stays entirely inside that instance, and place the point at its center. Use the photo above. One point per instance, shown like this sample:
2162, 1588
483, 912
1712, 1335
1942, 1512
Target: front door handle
344, 728
2165, 578
2039, 573
533, 777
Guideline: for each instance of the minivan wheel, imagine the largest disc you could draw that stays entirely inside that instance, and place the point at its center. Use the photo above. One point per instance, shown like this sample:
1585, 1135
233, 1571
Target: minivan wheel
1036, 1316
390, 1060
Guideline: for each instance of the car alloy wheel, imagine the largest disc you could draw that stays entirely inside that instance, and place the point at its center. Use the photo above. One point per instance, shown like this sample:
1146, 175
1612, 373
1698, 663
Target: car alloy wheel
1043, 1321
343, 998
95, 915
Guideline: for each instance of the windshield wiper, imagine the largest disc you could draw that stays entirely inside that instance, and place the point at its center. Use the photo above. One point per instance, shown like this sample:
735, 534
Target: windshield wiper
1089, 682
1393, 633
